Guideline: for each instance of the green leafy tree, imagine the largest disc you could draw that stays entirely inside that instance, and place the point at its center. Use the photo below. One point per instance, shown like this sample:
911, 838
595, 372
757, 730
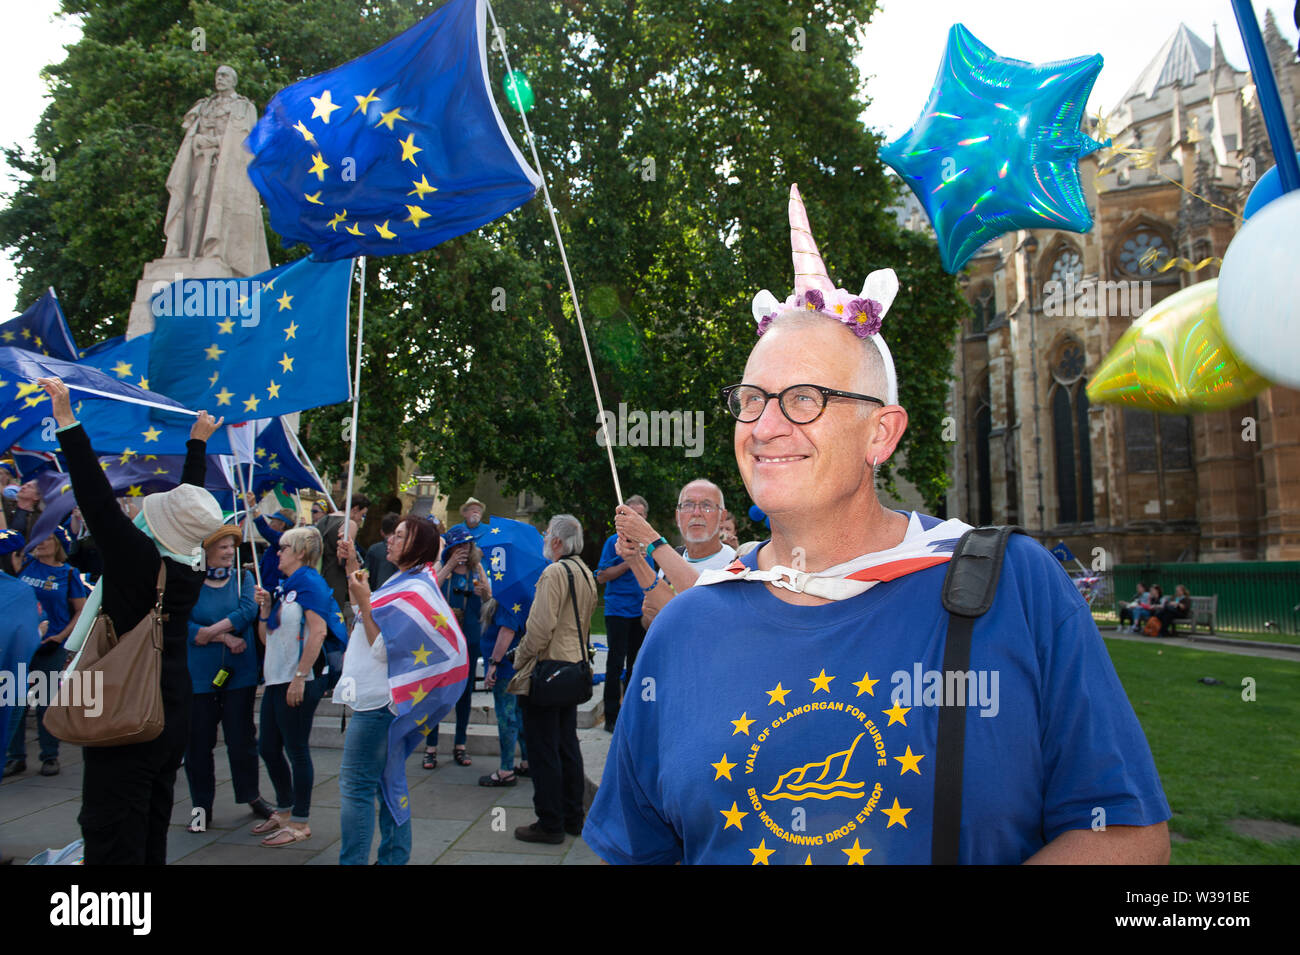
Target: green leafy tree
669, 134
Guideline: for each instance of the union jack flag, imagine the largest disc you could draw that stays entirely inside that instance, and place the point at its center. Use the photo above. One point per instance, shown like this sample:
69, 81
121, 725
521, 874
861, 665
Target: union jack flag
428, 665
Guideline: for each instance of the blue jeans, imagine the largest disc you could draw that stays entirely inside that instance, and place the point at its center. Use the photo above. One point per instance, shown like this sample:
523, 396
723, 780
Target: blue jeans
365, 751
510, 726
49, 659
288, 728
462, 709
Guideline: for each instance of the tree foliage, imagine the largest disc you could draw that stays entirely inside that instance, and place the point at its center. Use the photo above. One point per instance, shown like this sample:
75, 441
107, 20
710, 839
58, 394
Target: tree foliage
669, 134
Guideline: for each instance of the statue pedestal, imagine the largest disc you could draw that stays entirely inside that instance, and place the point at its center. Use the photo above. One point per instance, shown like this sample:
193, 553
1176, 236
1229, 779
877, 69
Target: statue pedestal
167, 270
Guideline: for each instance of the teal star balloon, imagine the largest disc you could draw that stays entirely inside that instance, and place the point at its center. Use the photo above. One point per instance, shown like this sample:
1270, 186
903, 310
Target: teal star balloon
997, 147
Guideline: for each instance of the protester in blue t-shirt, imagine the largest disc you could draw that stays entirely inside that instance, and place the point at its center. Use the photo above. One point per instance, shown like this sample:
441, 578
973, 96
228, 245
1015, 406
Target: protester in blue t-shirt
61, 594
623, 599
786, 708
500, 637
19, 635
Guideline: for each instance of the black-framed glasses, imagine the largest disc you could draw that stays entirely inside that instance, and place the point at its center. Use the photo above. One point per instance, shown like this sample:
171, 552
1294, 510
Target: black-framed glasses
801, 404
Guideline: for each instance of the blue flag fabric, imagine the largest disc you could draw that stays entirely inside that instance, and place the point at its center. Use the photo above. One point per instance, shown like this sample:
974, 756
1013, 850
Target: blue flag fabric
394, 152
277, 464
124, 360
42, 328
514, 560
428, 664
130, 475
1062, 553
117, 414
311, 592
251, 348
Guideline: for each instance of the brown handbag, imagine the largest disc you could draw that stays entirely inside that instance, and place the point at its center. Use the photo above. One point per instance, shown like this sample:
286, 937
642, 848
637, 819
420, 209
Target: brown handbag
118, 696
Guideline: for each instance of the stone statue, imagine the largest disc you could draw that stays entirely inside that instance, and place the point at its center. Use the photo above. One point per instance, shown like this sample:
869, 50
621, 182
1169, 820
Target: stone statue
214, 211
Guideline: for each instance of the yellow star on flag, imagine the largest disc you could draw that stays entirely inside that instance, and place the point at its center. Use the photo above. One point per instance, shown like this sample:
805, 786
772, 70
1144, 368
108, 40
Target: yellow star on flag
259, 453
897, 714
409, 149
150, 457
416, 214
392, 116
286, 362
741, 725
421, 187
34, 401
419, 693
151, 434
134, 491
909, 762
866, 685
121, 369
422, 720
224, 396
324, 105
306, 133
821, 681
127, 455
214, 352
213, 380
26, 389
313, 197
776, 696
284, 300
252, 403
421, 655
516, 608
353, 229
385, 232
496, 530
497, 575
9, 336
273, 390
724, 768
439, 621
318, 166
7, 422
267, 286
338, 217
857, 853
896, 813
733, 816
425, 730
160, 471
291, 330
761, 853
363, 102
227, 327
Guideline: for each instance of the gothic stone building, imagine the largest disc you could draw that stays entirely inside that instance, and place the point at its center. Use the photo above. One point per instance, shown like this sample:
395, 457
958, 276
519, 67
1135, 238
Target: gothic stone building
1047, 306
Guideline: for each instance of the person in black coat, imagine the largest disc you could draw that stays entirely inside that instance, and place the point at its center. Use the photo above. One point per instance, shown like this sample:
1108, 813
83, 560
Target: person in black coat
127, 791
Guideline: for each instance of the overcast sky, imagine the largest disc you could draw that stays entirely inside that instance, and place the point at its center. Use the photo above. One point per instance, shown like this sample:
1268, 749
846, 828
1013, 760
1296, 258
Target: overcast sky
899, 61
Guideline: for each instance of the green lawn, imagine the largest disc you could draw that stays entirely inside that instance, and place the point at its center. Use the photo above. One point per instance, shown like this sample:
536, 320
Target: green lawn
1219, 757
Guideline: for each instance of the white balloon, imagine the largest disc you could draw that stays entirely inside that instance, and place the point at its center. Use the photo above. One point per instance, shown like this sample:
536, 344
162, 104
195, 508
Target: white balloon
1259, 291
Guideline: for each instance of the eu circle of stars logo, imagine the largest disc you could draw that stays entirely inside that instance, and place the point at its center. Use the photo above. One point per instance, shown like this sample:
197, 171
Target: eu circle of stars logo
809, 772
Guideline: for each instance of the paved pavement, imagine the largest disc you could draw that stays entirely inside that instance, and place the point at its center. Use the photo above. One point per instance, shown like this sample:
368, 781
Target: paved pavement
454, 820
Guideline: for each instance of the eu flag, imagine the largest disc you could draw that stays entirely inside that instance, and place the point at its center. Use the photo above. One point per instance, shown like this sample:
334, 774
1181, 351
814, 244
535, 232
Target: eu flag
394, 152
258, 347
124, 360
276, 464
515, 560
42, 328
1062, 553
130, 475
117, 414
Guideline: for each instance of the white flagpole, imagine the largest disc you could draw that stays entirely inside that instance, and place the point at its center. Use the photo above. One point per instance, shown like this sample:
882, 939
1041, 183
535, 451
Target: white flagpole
311, 467
356, 401
564, 258
248, 522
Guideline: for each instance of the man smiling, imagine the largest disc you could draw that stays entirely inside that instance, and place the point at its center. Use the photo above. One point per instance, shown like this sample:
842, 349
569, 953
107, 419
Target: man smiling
762, 729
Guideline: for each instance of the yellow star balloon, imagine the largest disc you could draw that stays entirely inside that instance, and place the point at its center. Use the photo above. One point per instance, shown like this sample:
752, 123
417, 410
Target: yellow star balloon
1176, 359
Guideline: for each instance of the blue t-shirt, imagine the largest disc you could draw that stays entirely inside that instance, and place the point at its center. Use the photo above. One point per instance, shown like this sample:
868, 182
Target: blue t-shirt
755, 731
18, 634
470, 606
504, 617
54, 587
623, 596
218, 603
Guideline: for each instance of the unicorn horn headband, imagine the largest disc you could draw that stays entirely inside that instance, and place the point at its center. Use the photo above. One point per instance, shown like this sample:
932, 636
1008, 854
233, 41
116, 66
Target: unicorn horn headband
815, 292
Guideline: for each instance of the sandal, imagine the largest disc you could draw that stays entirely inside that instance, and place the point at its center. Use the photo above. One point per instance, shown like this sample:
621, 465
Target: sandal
286, 836
461, 757
270, 824
523, 771
430, 759
496, 779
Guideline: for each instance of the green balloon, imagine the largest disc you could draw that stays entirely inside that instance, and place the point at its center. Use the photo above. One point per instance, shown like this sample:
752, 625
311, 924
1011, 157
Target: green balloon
519, 92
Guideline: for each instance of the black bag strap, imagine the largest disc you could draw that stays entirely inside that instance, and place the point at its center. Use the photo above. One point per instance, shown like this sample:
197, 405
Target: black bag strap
583, 636
968, 591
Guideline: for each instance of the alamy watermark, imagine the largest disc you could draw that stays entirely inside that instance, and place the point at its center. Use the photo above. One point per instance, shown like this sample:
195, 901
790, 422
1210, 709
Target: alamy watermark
83, 689
1062, 298
655, 429
212, 298
960, 688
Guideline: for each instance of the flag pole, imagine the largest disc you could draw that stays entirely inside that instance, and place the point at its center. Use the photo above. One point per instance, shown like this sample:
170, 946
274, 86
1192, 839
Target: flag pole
239, 570
564, 258
311, 467
248, 522
356, 401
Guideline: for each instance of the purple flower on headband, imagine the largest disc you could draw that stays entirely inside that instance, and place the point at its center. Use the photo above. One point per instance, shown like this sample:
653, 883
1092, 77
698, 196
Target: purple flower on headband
814, 301
864, 317
765, 322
